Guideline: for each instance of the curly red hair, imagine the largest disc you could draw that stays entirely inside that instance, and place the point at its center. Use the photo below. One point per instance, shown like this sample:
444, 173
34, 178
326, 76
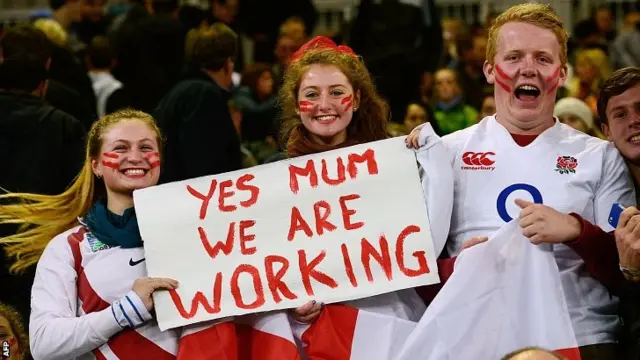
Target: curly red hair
368, 124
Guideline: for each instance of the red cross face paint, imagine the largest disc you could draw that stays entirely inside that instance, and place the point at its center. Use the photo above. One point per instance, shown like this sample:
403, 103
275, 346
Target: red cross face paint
129, 158
347, 102
527, 73
111, 160
326, 101
153, 158
306, 106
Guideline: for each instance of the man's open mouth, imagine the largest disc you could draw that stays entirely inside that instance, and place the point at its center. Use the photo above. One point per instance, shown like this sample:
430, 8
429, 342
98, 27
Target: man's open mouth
527, 93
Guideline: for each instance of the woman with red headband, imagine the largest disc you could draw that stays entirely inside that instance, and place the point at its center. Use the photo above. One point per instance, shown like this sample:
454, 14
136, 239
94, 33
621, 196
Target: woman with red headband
329, 102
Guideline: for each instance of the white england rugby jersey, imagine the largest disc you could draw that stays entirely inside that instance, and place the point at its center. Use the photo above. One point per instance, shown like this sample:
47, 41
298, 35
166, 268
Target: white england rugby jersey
82, 306
562, 168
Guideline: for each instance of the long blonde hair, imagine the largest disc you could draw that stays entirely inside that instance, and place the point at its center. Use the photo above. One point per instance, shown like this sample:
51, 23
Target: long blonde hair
42, 217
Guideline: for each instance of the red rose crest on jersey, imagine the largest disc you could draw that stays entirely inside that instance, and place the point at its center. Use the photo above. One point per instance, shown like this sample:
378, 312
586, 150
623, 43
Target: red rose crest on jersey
566, 165
478, 161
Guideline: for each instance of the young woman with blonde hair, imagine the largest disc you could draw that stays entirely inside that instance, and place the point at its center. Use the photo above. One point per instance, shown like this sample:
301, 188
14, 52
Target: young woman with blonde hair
91, 294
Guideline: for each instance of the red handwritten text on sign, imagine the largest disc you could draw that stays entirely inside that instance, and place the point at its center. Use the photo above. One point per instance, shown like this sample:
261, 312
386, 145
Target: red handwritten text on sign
331, 227
268, 280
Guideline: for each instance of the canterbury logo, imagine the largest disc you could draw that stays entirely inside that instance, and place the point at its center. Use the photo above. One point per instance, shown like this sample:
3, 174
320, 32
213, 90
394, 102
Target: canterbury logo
478, 159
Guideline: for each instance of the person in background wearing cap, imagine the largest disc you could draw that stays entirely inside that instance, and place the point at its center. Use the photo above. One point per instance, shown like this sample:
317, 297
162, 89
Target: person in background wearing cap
577, 114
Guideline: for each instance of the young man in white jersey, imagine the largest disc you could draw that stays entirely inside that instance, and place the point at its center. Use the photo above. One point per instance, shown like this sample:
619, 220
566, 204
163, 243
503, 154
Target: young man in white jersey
523, 163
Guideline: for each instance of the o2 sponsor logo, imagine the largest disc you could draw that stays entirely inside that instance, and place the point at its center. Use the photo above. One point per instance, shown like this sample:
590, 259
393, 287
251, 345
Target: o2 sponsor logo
501, 203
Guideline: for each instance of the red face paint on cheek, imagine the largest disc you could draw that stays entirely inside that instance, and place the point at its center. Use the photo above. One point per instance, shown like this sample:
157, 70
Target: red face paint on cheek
305, 106
111, 155
503, 85
348, 101
110, 164
553, 80
153, 158
503, 75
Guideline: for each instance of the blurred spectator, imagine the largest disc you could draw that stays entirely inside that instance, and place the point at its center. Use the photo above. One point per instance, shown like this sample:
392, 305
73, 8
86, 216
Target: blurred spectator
72, 91
261, 20
417, 114
194, 115
12, 330
488, 107
471, 55
248, 159
398, 44
452, 30
100, 61
294, 29
43, 145
587, 36
128, 14
95, 21
625, 50
396, 129
256, 100
285, 47
425, 89
604, 22
224, 11
577, 114
451, 113
414, 116
149, 47
54, 31
192, 17
66, 13
591, 70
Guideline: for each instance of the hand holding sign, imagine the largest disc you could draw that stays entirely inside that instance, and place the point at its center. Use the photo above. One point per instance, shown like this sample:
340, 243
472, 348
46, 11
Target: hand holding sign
145, 287
307, 312
543, 224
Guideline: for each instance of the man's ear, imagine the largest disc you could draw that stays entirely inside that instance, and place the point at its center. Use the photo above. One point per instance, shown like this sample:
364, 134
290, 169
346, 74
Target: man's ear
606, 131
487, 69
564, 73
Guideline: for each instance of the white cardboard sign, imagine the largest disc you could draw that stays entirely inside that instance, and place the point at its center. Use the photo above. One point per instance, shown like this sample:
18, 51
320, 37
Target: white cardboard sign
340, 225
